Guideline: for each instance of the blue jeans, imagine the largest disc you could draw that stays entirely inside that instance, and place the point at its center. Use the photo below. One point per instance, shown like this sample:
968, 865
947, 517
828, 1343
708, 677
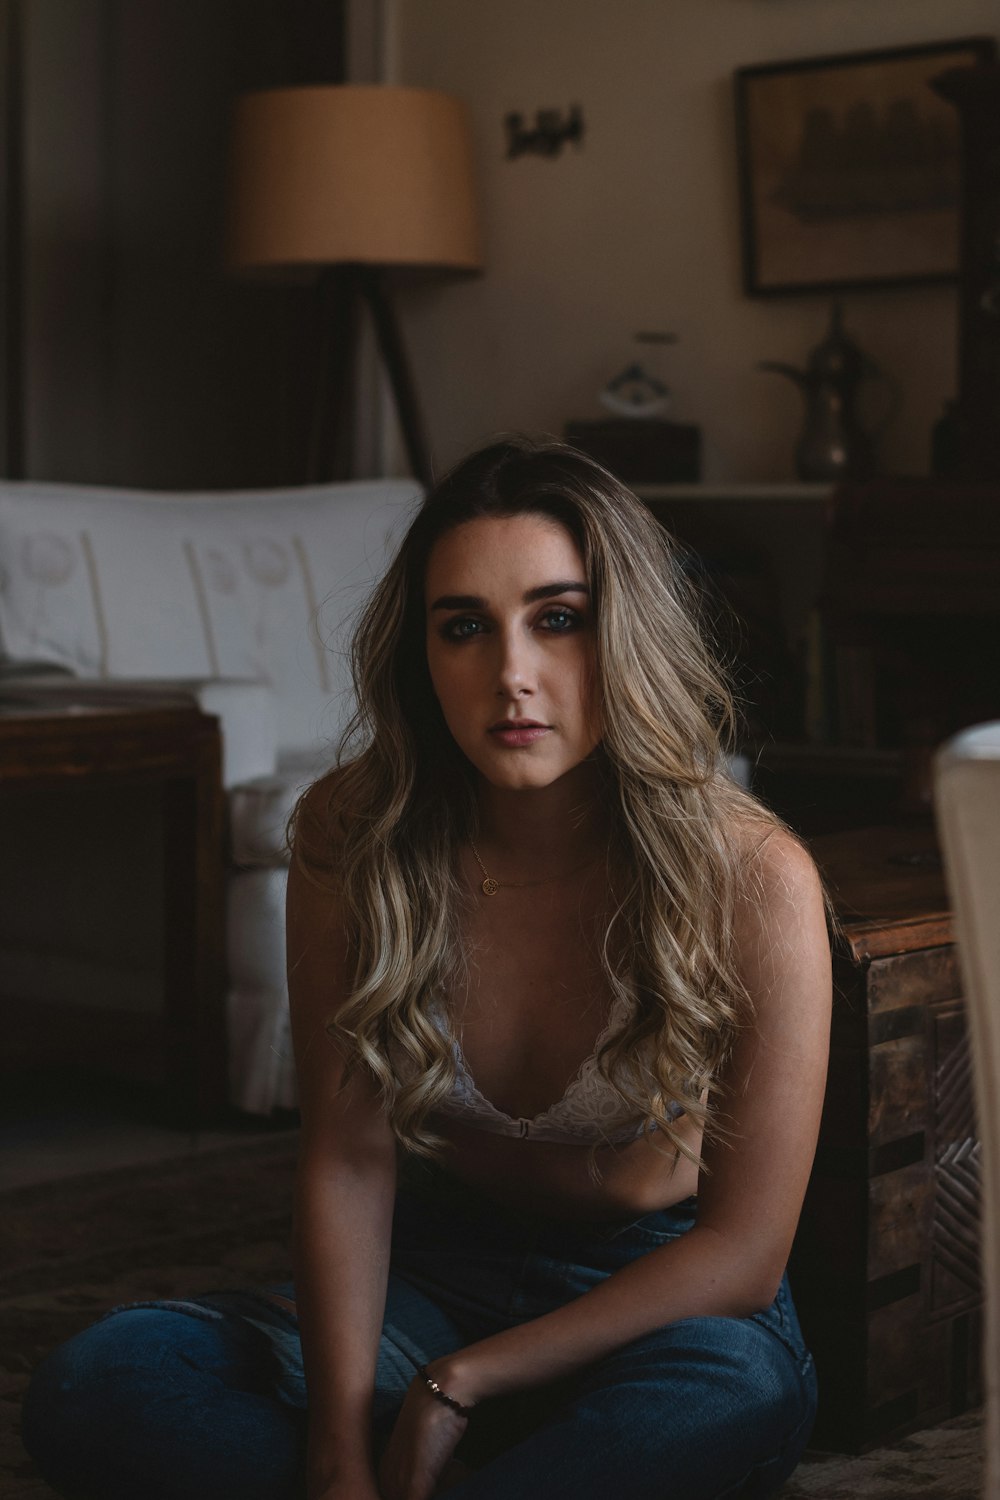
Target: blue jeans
206, 1399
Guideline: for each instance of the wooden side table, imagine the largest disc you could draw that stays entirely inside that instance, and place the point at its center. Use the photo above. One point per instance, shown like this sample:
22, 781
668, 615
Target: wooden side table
885, 1266
167, 743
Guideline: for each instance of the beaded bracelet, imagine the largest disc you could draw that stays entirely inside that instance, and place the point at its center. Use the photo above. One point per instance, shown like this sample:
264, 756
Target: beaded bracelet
442, 1396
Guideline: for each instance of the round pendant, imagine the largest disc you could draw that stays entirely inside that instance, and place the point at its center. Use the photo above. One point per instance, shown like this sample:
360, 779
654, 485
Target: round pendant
490, 886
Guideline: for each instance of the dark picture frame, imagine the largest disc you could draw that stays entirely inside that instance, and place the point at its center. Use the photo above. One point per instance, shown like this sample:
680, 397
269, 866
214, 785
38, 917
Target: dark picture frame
849, 169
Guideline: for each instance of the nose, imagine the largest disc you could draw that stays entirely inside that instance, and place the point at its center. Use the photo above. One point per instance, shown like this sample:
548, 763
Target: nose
515, 673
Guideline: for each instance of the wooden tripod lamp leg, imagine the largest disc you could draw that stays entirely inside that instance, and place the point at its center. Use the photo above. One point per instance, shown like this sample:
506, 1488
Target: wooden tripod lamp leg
400, 376
331, 444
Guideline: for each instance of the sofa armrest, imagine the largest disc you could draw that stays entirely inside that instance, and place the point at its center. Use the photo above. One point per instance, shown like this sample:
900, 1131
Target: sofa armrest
15, 671
244, 707
245, 710
259, 813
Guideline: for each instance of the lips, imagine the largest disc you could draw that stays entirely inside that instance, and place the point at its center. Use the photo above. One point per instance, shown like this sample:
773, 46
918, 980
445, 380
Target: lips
514, 733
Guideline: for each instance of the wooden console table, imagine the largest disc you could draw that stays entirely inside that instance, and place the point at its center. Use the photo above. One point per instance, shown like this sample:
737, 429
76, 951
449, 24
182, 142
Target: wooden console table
885, 1267
165, 743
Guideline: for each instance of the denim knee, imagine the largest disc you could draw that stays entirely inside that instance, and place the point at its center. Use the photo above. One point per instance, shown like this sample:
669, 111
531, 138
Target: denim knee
740, 1364
160, 1403
723, 1405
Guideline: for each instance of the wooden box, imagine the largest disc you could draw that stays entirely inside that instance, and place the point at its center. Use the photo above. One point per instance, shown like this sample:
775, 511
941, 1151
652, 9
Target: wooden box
885, 1267
641, 450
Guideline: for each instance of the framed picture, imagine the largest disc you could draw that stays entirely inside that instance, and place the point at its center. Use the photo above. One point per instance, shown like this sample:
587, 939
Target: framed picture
850, 169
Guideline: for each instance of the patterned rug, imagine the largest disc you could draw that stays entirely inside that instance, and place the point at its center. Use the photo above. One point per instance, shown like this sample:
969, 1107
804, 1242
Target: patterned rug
941, 1463
70, 1249
73, 1248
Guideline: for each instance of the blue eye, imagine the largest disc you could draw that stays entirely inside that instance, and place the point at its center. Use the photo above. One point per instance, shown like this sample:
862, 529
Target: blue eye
559, 619
461, 628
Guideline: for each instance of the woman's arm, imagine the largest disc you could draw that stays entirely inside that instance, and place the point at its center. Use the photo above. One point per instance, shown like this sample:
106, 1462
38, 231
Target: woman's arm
750, 1196
345, 1187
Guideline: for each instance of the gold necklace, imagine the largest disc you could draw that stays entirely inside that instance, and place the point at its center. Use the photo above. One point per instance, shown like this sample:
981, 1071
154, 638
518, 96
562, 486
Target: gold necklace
491, 885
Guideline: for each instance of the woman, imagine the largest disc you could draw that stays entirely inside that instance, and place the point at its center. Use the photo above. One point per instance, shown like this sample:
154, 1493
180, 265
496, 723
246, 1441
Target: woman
560, 997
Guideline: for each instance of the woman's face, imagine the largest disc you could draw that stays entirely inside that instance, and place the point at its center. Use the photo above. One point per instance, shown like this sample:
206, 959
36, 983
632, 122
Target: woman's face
511, 648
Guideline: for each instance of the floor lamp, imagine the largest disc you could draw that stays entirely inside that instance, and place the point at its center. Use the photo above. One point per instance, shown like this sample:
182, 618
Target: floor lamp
348, 181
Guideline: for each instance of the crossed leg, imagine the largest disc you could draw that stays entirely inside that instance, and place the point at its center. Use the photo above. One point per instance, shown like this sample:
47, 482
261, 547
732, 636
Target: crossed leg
187, 1401
202, 1400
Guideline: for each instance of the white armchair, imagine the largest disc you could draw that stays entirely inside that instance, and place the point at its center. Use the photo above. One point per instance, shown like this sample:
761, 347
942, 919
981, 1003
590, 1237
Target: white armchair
243, 600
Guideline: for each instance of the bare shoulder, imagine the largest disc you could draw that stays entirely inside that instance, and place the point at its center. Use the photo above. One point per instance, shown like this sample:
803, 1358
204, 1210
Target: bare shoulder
340, 1104
778, 869
780, 922
314, 913
318, 947
316, 828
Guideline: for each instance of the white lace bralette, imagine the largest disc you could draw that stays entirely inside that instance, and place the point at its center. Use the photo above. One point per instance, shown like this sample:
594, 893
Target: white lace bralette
589, 1111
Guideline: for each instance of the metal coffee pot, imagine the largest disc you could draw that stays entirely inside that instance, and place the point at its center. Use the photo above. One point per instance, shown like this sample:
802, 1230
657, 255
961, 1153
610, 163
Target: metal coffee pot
833, 444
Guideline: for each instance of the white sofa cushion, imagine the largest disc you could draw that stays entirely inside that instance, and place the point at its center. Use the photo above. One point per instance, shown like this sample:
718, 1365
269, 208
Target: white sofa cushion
254, 584
259, 811
245, 711
261, 1067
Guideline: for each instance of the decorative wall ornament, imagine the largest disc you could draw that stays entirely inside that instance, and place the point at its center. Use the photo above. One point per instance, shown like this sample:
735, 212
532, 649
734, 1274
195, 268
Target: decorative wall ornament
637, 392
549, 134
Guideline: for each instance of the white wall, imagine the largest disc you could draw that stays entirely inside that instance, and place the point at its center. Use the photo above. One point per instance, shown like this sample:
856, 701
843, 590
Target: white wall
640, 228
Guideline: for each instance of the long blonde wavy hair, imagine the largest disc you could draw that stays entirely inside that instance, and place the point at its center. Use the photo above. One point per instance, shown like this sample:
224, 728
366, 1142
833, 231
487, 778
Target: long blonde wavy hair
385, 825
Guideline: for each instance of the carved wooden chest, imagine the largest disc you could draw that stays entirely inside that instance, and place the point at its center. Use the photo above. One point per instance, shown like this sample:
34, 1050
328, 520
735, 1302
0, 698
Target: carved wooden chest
885, 1265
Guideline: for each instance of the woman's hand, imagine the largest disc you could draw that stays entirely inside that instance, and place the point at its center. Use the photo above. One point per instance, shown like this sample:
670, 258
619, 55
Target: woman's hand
418, 1461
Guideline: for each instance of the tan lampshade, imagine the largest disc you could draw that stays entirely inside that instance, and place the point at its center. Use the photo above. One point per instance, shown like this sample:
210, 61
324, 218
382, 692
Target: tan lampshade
367, 173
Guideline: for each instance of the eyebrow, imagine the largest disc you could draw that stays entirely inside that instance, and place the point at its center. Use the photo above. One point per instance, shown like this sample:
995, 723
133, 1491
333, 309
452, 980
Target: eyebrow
543, 591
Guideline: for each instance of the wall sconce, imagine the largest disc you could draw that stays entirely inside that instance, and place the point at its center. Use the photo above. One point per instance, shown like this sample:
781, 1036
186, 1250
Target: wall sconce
550, 133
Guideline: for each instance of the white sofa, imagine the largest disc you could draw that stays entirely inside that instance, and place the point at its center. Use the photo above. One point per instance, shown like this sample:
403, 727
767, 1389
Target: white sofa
245, 600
